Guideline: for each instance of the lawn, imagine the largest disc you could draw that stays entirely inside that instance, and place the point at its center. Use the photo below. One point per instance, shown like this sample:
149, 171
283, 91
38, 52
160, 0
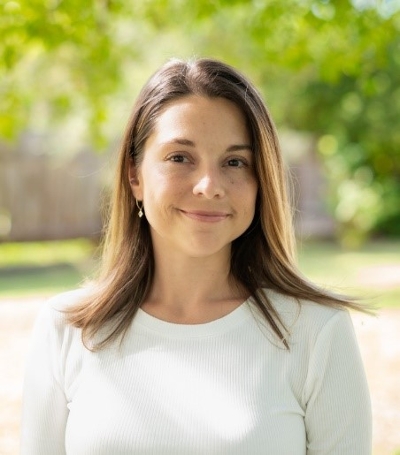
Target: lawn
45, 268
371, 272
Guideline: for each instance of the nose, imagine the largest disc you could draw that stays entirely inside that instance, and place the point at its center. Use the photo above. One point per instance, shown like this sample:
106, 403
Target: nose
209, 183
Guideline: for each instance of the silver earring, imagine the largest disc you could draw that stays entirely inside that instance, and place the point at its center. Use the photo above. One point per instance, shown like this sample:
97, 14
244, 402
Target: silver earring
140, 208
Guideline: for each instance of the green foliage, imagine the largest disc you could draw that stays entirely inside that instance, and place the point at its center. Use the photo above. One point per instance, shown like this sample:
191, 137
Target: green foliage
325, 67
58, 59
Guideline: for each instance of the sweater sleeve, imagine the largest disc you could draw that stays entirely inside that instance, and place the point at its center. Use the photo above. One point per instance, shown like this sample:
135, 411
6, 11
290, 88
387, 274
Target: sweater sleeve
44, 409
338, 410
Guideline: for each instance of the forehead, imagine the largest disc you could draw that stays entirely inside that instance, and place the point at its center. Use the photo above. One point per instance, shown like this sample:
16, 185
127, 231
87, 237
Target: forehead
201, 113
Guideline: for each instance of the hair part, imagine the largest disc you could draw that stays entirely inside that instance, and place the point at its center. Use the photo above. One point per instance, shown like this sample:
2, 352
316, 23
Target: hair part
262, 257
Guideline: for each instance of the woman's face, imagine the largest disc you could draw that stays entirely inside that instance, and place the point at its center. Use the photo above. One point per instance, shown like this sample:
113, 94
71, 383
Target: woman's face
197, 179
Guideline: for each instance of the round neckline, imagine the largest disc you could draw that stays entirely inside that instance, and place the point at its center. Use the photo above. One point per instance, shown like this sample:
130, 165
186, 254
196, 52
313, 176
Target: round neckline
175, 330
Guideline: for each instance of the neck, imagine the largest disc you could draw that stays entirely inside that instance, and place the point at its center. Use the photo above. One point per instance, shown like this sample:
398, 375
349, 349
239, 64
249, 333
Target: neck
192, 290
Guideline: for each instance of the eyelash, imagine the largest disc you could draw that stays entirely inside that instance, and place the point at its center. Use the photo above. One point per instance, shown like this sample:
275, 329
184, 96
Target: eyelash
174, 158
242, 162
179, 158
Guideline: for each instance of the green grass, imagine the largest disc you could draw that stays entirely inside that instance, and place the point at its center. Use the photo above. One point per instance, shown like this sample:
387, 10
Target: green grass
44, 253
371, 272
41, 281
46, 268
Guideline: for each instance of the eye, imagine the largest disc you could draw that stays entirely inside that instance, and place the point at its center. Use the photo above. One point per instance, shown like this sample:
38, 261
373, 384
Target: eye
236, 162
178, 158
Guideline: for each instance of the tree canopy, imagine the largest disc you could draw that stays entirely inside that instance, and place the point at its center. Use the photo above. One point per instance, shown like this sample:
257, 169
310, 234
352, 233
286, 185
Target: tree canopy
331, 68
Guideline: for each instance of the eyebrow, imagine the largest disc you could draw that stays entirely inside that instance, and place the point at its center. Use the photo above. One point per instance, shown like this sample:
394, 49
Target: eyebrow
189, 143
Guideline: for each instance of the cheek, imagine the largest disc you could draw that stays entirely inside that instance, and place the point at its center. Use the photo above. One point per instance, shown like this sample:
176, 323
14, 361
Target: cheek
252, 200
246, 198
163, 191
250, 193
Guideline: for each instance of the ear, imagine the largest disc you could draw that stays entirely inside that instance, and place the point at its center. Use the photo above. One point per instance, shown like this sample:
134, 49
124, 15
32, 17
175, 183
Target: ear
135, 180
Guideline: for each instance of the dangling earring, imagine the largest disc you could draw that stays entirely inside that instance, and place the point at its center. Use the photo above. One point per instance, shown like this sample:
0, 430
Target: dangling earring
140, 208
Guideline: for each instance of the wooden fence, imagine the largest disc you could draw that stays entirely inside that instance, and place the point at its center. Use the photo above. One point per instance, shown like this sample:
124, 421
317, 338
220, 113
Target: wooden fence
43, 198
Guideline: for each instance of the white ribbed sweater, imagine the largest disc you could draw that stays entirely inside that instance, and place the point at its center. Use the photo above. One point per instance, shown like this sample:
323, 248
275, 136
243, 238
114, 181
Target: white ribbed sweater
224, 387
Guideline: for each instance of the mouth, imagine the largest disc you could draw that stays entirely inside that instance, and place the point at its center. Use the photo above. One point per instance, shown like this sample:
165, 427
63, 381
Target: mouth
205, 216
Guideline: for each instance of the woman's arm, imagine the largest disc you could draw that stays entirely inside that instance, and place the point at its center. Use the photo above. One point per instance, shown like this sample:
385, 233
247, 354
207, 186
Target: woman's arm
338, 414
44, 410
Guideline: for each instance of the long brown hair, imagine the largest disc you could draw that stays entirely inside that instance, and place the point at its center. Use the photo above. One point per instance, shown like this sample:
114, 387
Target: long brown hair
262, 257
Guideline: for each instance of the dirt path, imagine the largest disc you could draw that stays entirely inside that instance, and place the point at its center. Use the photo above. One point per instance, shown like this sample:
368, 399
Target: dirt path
380, 347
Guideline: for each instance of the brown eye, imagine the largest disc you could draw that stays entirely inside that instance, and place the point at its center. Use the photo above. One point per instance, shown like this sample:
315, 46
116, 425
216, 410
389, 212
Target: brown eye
235, 162
178, 159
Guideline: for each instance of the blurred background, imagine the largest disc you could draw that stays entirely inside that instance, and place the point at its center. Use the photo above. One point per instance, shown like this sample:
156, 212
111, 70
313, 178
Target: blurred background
329, 72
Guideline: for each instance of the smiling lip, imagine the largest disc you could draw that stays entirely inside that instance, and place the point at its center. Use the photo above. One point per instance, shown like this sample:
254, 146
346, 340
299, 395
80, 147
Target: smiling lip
207, 217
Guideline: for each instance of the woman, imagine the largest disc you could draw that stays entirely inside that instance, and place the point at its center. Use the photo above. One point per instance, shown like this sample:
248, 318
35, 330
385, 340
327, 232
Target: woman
199, 336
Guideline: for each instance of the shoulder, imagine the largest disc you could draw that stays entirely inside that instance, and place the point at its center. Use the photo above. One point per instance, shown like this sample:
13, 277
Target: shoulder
56, 346
292, 309
52, 314
66, 300
307, 320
